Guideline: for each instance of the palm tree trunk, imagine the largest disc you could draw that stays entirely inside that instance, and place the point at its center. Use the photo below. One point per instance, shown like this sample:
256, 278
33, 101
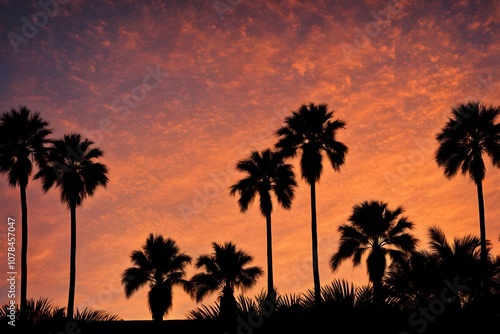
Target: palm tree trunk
24, 251
377, 293
314, 232
270, 281
72, 268
482, 223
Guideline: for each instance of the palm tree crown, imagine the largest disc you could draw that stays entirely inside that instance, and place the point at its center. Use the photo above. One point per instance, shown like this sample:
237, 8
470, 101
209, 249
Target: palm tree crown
72, 168
161, 264
267, 174
226, 269
373, 227
470, 133
311, 130
23, 140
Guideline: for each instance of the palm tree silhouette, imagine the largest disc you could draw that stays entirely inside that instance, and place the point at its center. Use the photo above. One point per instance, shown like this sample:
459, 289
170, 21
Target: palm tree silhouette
161, 264
461, 260
373, 227
23, 140
312, 130
72, 169
468, 133
414, 282
267, 174
226, 270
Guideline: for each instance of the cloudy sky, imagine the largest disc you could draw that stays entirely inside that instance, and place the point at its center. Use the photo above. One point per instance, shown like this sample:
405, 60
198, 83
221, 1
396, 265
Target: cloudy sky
175, 92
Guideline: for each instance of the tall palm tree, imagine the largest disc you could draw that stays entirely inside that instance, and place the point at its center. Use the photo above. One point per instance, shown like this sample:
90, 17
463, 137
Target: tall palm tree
310, 131
469, 133
160, 264
226, 269
267, 174
23, 140
71, 168
373, 227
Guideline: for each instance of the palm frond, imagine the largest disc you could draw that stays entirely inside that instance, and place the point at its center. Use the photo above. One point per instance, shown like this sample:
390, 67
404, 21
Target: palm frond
89, 314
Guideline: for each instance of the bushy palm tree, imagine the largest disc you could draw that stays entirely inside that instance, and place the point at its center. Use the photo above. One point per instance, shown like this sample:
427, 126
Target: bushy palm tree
310, 131
266, 175
41, 310
71, 167
382, 233
461, 260
37, 311
244, 305
23, 141
225, 270
414, 282
339, 295
470, 133
162, 265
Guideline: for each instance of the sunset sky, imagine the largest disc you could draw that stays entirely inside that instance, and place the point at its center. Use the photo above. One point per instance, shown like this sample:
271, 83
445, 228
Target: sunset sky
176, 92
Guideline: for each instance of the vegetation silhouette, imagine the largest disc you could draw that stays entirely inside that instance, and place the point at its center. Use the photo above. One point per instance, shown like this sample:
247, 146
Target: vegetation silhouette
224, 270
42, 313
70, 166
461, 261
162, 265
310, 130
375, 229
468, 134
23, 141
447, 287
267, 175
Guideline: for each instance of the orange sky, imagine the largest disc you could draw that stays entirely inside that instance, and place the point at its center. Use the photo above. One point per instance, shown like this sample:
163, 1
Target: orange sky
225, 81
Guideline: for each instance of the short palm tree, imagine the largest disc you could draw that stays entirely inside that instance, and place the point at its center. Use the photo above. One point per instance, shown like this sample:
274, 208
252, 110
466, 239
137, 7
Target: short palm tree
414, 282
461, 260
374, 229
310, 131
162, 265
225, 270
469, 134
266, 174
71, 168
23, 140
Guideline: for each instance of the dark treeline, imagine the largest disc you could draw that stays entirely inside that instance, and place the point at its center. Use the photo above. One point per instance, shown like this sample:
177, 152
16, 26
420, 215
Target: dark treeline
415, 286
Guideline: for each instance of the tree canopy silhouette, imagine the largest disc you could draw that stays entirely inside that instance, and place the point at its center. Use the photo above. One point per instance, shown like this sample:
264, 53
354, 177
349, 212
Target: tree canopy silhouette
226, 269
162, 265
374, 229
